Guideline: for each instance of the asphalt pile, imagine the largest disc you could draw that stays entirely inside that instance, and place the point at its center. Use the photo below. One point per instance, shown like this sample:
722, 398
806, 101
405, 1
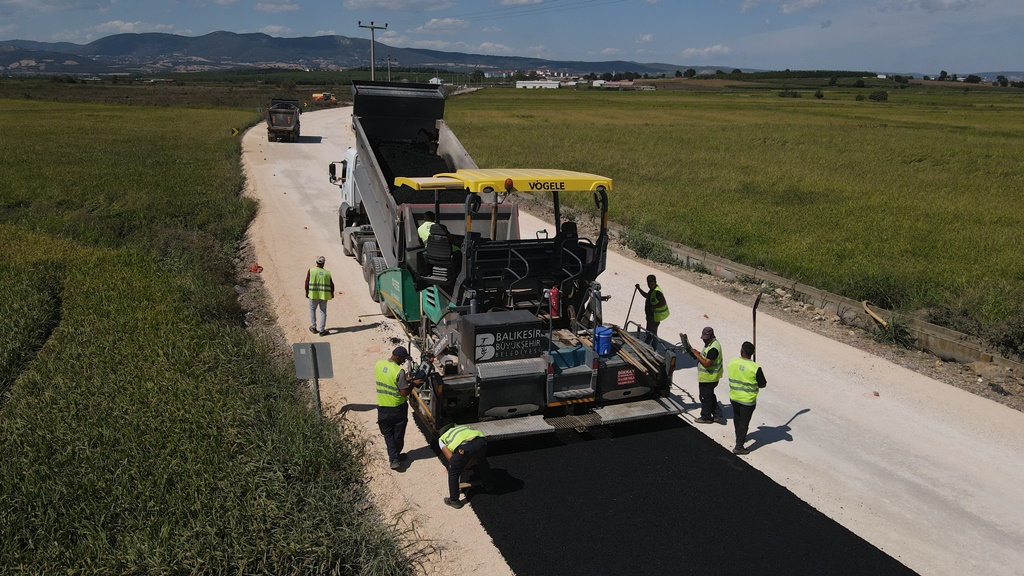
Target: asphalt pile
656, 497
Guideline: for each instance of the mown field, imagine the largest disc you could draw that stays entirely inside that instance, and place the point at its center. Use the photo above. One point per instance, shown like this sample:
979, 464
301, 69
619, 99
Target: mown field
142, 429
913, 203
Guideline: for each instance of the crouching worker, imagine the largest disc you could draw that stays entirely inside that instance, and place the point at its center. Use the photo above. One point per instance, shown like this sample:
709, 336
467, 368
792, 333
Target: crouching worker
464, 447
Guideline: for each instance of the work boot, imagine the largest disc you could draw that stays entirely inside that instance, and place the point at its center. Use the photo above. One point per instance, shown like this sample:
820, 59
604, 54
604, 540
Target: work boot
323, 332
740, 450
457, 504
395, 464
312, 329
703, 420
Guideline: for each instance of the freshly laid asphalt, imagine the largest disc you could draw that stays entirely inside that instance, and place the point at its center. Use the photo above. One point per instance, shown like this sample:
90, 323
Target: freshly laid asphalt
655, 497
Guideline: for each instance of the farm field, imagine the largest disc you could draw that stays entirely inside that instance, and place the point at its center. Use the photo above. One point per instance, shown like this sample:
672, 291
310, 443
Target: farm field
911, 203
143, 429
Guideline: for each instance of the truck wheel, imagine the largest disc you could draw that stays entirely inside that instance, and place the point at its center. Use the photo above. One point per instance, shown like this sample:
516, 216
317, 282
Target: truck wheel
371, 280
377, 265
369, 251
270, 138
346, 245
386, 310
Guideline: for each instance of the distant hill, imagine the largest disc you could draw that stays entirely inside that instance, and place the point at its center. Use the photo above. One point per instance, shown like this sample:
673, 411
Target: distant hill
154, 53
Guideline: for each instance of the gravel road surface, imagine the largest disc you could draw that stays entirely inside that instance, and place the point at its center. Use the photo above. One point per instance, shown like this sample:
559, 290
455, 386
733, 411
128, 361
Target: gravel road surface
924, 471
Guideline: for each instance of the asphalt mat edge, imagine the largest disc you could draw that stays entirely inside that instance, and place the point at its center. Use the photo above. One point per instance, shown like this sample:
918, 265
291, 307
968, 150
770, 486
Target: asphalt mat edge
656, 497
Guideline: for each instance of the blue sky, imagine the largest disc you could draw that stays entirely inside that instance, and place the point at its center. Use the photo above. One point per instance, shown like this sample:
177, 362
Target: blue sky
923, 36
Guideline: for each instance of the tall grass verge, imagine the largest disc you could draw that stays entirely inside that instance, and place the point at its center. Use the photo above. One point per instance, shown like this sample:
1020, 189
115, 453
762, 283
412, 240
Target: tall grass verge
909, 203
144, 430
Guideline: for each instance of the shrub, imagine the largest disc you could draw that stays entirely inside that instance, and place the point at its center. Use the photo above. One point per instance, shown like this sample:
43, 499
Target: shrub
895, 333
649, 247
819, 94
879, 96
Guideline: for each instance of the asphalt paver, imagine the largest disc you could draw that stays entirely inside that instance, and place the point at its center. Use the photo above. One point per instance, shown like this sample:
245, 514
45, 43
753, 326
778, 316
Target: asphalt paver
656, 497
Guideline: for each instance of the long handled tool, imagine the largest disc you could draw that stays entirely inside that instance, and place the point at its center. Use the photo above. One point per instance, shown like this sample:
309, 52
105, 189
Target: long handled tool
635, 289
756, 302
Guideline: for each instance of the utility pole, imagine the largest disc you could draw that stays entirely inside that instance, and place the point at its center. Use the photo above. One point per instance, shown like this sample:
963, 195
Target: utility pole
389, 66
373, 29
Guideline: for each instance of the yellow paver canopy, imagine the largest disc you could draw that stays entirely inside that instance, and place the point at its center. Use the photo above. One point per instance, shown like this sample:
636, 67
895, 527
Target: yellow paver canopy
523, 180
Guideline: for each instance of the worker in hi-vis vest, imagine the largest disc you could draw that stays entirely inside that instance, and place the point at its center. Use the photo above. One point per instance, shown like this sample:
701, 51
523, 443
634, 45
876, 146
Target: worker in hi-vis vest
709, 372
319, 289
464, 447
745, 380
424, 230
655, 307
393, 388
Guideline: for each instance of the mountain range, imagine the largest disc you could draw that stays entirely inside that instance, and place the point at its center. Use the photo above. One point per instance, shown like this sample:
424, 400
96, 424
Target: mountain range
156, 53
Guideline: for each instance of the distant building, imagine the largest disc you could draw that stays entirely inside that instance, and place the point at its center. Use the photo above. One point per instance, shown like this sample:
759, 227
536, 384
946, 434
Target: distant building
530, 84
436, 80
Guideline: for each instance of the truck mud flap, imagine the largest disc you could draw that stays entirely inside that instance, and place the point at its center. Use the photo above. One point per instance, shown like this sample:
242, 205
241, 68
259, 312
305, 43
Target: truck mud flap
530, 425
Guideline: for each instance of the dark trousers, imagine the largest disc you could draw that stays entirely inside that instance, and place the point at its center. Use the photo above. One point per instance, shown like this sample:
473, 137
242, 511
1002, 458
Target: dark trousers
709, 407
741, 414
471, 453
652, 331
392, 421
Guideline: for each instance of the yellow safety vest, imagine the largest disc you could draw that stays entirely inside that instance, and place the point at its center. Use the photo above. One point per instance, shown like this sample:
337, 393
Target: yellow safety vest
743, 381
459, 434
387, 384
712, 373
319, 284
424, 231
660, 311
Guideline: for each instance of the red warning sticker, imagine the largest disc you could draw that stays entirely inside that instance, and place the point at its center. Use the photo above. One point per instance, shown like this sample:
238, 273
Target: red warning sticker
626, 377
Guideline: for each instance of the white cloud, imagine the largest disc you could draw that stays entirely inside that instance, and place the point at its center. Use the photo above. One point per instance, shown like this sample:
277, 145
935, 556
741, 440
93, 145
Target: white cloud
929, 5
610, 51
400, 41
645, 38
11, 7
276, 30
122, 27
494, 48
441, 25
716, 50
399, 5
277, 6
784, 6
325, 33
794, 6
491, 30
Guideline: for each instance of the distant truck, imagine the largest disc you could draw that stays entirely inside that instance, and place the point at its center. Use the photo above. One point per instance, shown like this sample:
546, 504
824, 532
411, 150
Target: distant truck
283, 120
325, 98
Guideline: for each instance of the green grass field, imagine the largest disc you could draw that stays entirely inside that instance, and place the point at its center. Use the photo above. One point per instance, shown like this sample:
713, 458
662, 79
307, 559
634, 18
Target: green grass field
910, 203
143, 430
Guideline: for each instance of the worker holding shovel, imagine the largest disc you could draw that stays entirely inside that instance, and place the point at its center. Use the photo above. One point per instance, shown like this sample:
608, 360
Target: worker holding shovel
655, 307
745, 380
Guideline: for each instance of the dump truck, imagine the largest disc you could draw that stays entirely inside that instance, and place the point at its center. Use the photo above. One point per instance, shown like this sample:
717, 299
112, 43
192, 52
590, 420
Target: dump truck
509, 329
283, 120
324, 98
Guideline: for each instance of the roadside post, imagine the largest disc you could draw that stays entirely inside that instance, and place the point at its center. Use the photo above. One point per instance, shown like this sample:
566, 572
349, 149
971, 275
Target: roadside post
313, 361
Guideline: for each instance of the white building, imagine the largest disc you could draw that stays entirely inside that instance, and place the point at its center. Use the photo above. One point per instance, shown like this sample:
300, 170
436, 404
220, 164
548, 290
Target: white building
529, 84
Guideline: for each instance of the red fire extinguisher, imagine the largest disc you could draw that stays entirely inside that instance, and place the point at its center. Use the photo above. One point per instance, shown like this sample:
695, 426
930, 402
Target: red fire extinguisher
554, 301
